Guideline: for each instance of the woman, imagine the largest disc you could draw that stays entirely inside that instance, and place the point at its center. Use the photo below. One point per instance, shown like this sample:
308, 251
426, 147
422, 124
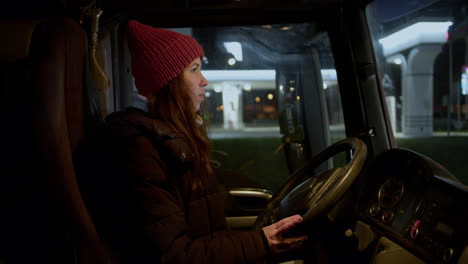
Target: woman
160, 202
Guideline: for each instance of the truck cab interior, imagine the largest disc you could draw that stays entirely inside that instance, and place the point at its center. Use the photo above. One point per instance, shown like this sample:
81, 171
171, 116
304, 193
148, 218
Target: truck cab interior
350, 113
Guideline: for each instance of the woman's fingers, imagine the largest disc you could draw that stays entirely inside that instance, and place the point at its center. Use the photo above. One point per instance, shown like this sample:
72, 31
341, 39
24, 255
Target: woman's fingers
289, 243
295, 240
274, 232
287, 223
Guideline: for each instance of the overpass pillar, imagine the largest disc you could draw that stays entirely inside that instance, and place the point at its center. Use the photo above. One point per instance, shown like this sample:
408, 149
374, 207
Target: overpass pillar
417, 91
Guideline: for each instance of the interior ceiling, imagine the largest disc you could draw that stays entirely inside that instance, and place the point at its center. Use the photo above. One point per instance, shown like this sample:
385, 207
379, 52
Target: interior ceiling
257, 38
157, 7
264, 46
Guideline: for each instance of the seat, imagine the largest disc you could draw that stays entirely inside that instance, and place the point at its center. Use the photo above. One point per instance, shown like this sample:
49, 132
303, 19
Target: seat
47, 114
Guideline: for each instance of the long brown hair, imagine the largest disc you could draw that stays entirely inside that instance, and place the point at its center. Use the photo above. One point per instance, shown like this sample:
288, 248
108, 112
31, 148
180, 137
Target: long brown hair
173, 105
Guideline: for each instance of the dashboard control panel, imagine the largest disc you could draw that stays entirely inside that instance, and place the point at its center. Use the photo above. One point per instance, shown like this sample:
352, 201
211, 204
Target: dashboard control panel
407, 201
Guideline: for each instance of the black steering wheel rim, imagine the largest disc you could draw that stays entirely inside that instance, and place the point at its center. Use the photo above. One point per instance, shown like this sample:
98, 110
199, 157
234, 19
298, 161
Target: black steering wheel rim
344, 178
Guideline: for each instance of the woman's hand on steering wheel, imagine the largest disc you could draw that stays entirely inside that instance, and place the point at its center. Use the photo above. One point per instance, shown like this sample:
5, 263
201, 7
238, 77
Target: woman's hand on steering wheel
274, 234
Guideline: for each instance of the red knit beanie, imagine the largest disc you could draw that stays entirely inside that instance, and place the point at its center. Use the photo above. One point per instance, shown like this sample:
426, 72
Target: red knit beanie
158, 55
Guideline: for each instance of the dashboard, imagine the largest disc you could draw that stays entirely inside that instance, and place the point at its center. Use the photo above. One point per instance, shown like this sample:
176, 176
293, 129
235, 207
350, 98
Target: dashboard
418, 204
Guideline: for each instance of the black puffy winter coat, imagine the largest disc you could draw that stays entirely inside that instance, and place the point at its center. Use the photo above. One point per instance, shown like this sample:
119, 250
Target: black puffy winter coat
134, 176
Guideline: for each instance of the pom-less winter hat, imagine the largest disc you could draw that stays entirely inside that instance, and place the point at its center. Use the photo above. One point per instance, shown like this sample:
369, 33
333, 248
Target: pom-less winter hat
158, 55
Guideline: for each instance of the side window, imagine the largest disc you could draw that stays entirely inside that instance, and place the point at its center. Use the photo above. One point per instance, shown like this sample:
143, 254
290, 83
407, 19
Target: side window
423, 57
272, 101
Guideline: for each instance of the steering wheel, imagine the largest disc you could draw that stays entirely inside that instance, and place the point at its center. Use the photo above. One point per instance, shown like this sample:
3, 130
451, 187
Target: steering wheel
316, 195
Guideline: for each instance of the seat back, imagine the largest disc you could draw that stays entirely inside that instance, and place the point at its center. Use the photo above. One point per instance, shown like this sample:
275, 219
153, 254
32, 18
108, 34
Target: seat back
48, 220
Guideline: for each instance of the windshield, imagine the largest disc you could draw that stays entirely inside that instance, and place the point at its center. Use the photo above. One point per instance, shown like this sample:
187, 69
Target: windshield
422, 56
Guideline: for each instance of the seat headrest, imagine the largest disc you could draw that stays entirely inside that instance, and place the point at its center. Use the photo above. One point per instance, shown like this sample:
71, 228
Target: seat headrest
16, 38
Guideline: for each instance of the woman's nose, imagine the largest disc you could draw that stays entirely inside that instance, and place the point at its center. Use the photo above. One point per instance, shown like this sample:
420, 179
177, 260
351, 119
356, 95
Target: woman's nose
204, 82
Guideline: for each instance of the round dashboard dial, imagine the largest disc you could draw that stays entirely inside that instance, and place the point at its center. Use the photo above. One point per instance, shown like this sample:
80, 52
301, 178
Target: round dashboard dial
391, 192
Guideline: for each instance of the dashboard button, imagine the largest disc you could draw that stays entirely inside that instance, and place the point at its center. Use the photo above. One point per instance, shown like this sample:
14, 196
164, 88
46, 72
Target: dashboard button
448, 253
387, 216
415, 229
414, 233
374, 209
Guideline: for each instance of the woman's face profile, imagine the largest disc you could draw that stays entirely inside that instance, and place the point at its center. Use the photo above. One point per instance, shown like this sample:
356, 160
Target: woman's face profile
195, 82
